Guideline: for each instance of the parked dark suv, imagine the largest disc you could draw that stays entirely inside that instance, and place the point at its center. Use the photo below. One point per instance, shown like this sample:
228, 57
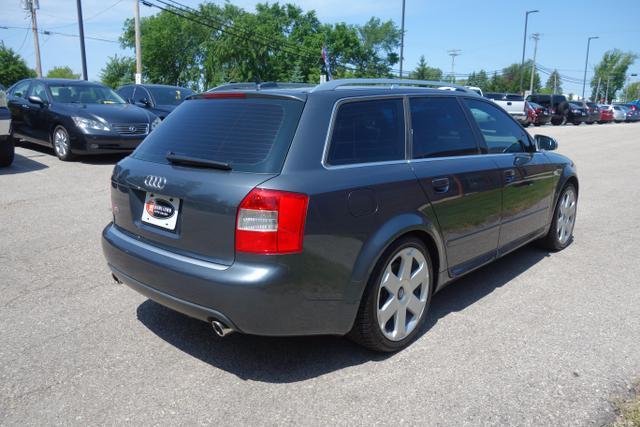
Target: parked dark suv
557, 105
337, 209
159, 99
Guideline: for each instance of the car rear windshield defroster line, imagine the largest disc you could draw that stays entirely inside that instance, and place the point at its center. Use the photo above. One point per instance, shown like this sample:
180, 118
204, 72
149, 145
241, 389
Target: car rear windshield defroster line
251, 135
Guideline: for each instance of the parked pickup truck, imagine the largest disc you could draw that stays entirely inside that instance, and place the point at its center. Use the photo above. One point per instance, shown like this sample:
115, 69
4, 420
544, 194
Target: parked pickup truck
6, 142
512, 103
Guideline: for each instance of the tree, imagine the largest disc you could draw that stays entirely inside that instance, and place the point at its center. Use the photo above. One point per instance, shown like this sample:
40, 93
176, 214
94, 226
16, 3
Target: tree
64, 72
424, 72
612, 69
632, 91
13, 67
479, 79
554, 83
118, 71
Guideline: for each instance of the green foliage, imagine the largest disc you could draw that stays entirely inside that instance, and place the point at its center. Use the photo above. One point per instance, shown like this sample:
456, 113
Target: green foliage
612, 68
479, 79
118, 71
632, 92
275, 43
509, 79
64, 72
424, 72
554, 83
13, 67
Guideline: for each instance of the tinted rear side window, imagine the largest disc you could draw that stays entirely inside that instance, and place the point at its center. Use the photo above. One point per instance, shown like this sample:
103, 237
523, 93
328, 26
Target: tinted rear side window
511, 97
368, 131
252, 134
440, 128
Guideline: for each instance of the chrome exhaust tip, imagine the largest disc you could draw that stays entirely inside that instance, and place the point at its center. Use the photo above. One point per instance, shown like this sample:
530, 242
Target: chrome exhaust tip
220, 328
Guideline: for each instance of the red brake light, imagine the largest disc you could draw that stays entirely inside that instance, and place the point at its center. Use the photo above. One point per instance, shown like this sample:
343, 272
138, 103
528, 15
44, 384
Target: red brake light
271, 222
224, 95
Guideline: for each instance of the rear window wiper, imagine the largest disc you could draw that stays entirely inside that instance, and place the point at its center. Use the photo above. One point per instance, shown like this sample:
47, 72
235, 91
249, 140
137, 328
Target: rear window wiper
180, 159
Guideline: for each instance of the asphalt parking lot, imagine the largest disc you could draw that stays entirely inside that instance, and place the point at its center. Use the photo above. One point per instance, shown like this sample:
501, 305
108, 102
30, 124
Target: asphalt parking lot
533, 339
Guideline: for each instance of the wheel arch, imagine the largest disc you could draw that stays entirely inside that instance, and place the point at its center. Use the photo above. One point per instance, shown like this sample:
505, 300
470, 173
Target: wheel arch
412, 224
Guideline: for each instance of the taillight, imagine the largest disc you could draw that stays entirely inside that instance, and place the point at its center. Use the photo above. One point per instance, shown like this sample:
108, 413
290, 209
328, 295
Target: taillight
271, 222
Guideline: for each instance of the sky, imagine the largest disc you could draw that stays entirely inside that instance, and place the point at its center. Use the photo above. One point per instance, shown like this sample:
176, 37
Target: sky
489, 34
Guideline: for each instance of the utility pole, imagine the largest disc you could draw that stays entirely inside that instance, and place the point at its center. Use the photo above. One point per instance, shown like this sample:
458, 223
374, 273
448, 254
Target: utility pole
31, 6
606, 93
524, 46
83, 52
586, 61
402, 40
136, 10
555, 83
535, 37
597, 89
453, 53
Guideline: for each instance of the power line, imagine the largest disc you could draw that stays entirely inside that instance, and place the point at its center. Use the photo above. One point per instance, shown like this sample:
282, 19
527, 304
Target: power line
57, 33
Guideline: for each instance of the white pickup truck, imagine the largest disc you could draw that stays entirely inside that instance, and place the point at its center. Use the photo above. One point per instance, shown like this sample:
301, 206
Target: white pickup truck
6, 143
513, 103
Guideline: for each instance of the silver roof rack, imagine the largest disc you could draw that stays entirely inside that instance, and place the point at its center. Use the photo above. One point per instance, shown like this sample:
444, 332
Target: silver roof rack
391, 83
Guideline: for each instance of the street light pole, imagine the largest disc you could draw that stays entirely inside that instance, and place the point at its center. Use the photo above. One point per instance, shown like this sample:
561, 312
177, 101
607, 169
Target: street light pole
586, 61
83, 53
402, 40
524, 46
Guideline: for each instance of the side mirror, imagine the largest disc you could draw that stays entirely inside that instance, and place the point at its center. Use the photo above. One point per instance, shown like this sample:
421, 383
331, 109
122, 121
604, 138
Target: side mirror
36, 100
545, 143
144, 103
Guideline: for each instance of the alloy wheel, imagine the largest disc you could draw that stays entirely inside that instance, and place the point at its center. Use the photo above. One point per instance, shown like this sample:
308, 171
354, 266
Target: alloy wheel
61, 142
402, 294
566, 216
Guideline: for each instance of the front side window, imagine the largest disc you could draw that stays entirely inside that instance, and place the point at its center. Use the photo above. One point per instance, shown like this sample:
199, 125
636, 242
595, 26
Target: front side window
20, 89
440, 128
500, 132
367, 132
126, 92
141, 95
38, 89
84, 94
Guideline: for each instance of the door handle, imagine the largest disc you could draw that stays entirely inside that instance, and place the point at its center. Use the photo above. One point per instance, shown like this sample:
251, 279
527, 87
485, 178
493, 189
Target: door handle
440, 185
509, 175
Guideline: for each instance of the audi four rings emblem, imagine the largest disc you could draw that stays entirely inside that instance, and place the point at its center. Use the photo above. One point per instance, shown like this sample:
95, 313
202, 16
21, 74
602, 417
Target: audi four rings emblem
157, 182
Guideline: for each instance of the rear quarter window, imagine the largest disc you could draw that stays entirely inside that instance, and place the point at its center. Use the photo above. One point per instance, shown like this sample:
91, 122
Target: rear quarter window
368, 132
252, 134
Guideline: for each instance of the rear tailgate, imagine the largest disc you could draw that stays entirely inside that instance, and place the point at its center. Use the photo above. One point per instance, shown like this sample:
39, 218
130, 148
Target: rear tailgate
251, 135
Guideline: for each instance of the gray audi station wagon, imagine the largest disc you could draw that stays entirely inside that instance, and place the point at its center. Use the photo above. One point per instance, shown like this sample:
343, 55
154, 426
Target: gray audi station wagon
336, 209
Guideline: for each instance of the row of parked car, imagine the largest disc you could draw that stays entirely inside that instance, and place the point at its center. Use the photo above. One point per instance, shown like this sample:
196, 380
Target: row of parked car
79, 117
540, 109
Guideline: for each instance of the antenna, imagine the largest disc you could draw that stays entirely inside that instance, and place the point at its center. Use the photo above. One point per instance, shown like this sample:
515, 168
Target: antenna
453, 53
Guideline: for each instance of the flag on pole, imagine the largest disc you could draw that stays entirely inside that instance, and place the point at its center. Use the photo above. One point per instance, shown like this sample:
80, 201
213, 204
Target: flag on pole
325, 58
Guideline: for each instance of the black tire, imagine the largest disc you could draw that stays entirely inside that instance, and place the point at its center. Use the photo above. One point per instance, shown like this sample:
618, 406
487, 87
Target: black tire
63, 154
537, 124
7, 151
551, 240
366, 330
525, 125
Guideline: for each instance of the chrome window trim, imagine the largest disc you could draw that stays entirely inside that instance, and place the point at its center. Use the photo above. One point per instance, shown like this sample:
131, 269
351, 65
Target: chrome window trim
407, 160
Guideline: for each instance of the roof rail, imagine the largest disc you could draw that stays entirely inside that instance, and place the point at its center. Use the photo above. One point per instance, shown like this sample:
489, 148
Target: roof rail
258, 86
392, 83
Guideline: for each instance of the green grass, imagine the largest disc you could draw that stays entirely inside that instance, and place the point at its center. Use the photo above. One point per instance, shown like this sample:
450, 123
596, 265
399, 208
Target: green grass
628, 411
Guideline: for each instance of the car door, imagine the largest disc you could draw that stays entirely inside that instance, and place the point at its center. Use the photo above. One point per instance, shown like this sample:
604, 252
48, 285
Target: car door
17, 103
37, 115
463, 186
527, 175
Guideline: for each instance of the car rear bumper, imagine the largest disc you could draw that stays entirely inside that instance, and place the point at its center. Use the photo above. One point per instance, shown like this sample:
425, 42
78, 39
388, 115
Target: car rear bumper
254, 298
5, 122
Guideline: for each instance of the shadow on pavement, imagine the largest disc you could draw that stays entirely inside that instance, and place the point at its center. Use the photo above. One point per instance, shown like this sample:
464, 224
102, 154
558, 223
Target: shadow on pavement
23, 164
285, 360
95, 159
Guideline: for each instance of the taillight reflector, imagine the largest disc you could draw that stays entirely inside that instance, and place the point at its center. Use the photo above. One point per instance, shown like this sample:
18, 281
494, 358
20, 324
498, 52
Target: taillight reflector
271, 222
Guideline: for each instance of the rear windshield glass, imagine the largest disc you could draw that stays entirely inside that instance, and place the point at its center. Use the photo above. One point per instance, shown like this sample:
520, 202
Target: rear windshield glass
252, 135
494, 95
